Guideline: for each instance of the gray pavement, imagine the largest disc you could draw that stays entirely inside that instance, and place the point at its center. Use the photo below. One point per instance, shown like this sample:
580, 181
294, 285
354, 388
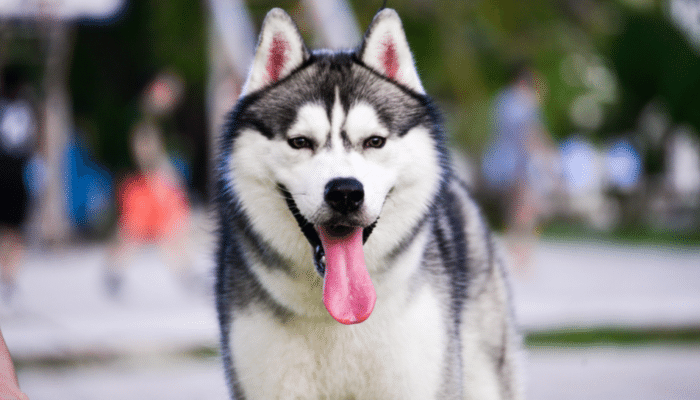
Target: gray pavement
597, 284
145, 378
62, 309
133, 347
657, 373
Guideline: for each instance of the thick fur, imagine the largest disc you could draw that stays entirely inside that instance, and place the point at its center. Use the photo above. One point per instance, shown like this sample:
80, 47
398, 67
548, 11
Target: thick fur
441, 327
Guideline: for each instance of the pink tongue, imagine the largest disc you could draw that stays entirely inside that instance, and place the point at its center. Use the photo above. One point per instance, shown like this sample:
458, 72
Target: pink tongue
348, 292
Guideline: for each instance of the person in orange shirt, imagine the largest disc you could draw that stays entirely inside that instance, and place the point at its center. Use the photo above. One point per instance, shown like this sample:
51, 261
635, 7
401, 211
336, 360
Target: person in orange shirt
153, 208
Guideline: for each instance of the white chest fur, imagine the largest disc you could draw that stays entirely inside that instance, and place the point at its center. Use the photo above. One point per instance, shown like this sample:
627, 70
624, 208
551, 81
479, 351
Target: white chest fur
395, 354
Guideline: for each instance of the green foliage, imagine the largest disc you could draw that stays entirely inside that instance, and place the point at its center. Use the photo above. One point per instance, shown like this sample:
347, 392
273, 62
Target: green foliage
633, 234
655, 61
464, 51
113, 63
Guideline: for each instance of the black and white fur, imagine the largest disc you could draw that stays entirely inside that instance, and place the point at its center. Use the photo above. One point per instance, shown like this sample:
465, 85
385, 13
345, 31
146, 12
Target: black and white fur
441, 327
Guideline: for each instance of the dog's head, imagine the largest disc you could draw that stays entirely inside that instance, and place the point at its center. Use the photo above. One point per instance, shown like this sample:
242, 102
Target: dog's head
344, 145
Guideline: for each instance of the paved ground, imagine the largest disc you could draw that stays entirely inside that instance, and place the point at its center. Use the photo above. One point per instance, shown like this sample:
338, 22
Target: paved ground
593, 284
133, 348
62, 308
598, 374
614, 373
144, 378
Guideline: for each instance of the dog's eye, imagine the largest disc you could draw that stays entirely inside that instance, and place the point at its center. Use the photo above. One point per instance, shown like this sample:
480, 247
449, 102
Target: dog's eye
300, 143
375, 142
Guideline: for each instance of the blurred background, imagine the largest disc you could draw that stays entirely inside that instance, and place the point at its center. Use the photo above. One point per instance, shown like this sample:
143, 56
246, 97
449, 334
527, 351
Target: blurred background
576, 122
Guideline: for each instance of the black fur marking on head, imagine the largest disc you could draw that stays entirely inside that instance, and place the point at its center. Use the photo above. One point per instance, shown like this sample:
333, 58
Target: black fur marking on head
273, 109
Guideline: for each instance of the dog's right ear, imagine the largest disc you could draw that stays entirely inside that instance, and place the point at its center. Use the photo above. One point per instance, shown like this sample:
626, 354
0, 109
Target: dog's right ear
385, 50
280, 51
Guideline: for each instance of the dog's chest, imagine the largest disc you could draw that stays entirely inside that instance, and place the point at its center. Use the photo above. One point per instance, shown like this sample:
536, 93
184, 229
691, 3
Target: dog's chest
389, 358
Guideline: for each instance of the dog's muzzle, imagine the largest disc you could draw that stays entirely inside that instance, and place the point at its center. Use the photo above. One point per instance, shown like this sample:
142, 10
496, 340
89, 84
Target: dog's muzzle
342, 194
337, 242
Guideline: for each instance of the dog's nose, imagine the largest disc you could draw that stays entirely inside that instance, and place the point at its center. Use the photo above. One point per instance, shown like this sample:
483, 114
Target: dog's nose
344, 195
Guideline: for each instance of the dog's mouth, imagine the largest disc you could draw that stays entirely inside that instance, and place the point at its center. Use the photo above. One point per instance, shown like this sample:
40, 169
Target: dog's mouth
332, 231
348, 293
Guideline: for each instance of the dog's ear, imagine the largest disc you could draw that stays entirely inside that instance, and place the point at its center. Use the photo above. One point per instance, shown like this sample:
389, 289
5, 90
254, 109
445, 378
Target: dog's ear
385, 50
280, 51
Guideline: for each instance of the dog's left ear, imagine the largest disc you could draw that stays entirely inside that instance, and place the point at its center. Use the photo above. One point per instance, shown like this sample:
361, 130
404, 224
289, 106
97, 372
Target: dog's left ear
385, 50
280, 51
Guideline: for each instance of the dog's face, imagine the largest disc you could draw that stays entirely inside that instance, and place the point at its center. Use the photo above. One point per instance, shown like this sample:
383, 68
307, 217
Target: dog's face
337, 144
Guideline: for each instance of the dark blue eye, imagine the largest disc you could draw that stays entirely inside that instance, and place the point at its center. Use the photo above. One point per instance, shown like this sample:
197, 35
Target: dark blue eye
300, 142
375, 142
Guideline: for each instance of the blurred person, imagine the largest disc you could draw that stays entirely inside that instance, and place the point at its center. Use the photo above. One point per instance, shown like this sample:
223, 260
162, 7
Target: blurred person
9, 385
17, 134
88, 187
153, 208
520, 163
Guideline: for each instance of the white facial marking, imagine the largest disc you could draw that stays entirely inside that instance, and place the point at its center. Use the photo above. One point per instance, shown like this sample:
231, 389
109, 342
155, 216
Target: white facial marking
363, 122
311, 122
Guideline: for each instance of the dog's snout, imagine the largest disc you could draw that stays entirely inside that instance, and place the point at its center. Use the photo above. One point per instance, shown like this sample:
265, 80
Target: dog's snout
344, 195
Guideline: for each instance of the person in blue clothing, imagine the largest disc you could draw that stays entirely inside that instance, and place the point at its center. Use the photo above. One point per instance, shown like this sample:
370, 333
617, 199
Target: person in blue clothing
88, 187
519, 160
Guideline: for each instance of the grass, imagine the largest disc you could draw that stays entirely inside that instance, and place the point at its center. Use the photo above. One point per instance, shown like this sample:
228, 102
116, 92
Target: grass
637, 234
611, 336
87, 360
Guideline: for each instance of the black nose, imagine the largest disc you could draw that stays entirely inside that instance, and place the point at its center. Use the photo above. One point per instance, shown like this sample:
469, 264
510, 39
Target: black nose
344, 195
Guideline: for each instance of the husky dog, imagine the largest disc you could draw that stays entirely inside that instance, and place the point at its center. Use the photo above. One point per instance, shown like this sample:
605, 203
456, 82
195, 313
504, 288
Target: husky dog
352, 263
